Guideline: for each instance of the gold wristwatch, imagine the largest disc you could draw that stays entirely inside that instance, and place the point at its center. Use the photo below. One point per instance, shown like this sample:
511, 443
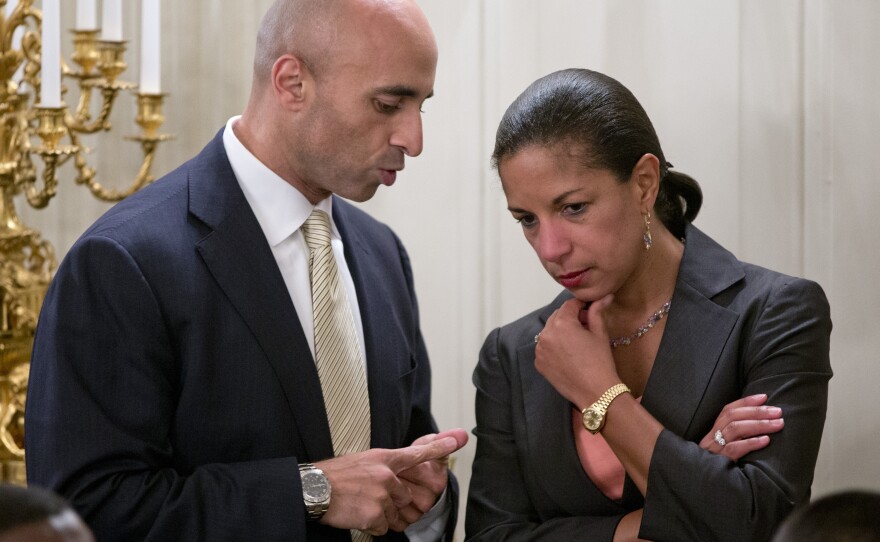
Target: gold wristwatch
594, 415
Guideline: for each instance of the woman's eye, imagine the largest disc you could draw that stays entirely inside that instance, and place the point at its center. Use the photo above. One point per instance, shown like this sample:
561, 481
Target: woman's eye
526, 221
574, 209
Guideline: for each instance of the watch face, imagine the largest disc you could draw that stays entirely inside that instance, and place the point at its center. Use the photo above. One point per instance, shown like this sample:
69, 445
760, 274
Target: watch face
315, 487
593, 420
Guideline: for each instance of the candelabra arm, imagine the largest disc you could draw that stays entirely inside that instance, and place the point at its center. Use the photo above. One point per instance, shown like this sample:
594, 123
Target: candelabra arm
150, 117
51, 129
109, 56
87, 176
83, 109
80, 122
39, 198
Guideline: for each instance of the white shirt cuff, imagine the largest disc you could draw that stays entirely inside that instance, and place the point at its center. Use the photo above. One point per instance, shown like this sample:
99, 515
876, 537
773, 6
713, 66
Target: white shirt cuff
431, 526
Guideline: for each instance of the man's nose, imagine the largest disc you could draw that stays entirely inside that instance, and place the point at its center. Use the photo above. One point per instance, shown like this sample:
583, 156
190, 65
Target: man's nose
407, 134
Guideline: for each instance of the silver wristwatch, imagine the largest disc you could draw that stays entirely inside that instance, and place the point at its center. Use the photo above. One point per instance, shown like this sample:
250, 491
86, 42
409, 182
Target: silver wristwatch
316, 491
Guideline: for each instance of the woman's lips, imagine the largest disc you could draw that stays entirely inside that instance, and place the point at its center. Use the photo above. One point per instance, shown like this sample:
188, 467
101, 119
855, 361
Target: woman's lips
572, 280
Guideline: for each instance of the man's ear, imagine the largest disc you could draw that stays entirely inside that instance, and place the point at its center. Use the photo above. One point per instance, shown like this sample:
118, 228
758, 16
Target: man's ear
291, 82
646, 181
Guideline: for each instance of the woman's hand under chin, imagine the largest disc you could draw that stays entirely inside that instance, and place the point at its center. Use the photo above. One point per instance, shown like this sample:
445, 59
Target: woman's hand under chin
573, 354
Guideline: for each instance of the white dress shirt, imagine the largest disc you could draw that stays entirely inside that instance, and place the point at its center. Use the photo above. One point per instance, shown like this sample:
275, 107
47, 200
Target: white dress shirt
281, 210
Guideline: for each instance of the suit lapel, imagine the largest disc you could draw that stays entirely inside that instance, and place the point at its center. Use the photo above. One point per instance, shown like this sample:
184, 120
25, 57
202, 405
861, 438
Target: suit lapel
694, 338
696, 332
241, 261
382, 335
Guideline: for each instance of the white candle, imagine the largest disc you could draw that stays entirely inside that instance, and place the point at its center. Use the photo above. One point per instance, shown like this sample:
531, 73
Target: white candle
50, 69
85, 15
111, 20
150, 72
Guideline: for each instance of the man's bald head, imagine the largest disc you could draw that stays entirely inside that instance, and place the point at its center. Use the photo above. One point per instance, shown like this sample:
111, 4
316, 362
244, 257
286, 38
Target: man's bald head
292, 27
318, 31
337, 94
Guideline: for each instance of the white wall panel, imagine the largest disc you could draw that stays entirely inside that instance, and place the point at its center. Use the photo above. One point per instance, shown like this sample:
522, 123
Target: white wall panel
771, 121
846, 191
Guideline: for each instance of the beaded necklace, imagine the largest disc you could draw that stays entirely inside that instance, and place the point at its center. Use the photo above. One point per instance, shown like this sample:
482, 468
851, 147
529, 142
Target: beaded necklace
644, 328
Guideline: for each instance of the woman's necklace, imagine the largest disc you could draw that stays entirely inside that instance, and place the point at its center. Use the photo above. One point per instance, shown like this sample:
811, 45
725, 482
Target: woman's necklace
644, 328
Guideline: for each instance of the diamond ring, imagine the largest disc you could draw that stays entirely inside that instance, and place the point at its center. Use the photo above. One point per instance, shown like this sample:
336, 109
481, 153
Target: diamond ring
719, 438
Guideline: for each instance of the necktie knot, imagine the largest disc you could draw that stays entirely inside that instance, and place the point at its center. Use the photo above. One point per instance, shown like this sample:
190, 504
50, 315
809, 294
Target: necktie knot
316, 230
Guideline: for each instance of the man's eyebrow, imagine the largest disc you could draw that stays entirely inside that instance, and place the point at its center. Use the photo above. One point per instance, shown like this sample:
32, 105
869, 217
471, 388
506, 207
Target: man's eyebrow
401, 90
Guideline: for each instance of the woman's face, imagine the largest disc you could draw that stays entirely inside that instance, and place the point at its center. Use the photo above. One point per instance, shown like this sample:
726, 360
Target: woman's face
585, 226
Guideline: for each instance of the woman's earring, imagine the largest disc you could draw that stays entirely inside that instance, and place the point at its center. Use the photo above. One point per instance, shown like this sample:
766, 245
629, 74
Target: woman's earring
649, 242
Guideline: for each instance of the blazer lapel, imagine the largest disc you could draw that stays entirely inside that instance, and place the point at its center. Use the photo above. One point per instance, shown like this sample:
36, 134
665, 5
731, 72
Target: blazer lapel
241, 261
383, 337
692, 343
696, 332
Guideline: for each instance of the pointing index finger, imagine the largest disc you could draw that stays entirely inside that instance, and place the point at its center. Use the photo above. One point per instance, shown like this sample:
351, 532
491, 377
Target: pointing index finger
405, 458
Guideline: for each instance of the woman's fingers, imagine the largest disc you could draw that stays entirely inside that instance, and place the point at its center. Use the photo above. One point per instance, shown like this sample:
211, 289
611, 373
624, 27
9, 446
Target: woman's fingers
736, 450
743, 429
741, 437
595, 317
749, 400
743, 426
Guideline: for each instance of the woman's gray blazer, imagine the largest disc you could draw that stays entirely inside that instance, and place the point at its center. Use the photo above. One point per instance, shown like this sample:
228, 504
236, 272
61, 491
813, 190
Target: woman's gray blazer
735, 329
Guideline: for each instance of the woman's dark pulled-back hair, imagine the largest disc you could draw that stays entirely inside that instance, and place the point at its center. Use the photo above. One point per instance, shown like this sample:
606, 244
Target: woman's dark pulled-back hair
605, 126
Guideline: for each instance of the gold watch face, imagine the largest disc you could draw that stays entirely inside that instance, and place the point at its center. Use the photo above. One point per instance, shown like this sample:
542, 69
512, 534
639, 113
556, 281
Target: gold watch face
593, 419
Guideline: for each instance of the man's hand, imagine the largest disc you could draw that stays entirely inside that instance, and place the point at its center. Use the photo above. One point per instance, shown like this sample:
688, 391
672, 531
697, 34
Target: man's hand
427, 481
366, 491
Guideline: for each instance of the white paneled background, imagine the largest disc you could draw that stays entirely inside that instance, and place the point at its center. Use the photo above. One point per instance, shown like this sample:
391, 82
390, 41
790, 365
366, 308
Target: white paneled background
771, 104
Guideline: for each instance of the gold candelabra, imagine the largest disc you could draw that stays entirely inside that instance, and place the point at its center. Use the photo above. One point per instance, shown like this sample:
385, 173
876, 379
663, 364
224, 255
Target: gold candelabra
27, 261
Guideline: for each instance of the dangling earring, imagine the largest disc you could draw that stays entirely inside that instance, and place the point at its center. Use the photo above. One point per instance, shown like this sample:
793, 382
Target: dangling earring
649, 242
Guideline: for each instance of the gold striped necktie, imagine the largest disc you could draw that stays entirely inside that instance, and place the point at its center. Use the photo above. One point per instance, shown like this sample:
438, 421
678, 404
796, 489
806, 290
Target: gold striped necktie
337, 350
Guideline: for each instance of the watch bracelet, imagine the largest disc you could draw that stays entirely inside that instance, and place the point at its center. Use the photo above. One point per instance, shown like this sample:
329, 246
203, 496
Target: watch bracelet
610, 395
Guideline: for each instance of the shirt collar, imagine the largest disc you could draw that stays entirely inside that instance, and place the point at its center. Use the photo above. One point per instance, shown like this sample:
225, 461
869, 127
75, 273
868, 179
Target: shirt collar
280, 208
